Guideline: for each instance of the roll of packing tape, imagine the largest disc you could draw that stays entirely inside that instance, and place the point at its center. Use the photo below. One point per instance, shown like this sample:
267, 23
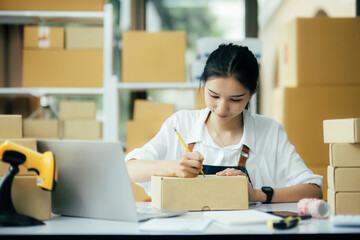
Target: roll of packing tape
317, 208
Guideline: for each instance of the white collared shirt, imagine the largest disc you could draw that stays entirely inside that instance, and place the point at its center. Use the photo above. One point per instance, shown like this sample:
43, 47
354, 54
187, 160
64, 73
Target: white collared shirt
272, 160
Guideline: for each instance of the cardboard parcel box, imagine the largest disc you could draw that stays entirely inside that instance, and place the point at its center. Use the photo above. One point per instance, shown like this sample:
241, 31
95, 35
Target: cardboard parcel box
149, 110
41, 128
319, 51
63, 68
345, 155
342, 130
52, 5
347, 203
43, 37
153, 57
10, 126
77, 110
344, 179
30, 200
199, 194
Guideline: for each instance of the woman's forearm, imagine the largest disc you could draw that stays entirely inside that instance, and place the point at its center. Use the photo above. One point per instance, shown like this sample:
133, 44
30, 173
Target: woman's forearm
142, 170
290, 194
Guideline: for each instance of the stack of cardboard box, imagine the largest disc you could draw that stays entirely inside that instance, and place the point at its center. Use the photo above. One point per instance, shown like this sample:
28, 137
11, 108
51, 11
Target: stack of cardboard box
78, 120
318, 79
53, 57
344, 169
28, 199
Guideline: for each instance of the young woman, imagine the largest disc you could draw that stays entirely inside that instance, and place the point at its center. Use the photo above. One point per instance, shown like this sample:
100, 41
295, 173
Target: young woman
227, 139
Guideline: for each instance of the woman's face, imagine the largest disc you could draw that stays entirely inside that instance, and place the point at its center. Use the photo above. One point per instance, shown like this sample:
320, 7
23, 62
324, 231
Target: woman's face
226, 97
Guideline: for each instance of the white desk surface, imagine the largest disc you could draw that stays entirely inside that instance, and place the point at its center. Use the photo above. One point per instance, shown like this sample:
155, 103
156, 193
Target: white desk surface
71, 226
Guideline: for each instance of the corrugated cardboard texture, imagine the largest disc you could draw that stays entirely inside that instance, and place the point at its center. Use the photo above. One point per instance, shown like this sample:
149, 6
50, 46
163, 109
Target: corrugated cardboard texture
84, 38
160, 56
25, 142
30, 200
34, 36
82, 129
346, 203
342, 130
52, 5
344, 179
10, 126
197, 194
149, 110
140, 132
41, 128
85, 110
345, 155
305, 59
62, 68
303, 110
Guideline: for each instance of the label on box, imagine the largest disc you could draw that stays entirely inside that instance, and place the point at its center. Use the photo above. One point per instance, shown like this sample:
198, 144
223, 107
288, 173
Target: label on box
43, 37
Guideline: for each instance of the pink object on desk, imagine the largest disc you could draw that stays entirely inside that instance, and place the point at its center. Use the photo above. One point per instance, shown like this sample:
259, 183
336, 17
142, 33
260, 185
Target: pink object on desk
317, 208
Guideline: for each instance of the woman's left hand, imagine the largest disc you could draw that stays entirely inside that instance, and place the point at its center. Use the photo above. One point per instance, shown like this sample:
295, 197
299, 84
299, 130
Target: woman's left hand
235, 172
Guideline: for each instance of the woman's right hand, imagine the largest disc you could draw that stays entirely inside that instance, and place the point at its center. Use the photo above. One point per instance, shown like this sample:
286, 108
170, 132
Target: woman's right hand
190, 164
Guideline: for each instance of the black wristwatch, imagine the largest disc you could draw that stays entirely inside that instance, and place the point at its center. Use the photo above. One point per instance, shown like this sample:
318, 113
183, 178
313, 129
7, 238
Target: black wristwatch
269, 193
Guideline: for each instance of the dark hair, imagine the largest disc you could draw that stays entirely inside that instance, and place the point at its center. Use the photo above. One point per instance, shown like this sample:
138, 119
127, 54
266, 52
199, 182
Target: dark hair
230, 60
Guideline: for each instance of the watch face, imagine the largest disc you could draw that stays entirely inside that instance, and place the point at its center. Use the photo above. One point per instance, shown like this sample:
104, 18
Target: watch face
267, 189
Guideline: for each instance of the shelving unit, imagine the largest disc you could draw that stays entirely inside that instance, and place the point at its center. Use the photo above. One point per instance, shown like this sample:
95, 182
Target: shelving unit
109, 90
111, 86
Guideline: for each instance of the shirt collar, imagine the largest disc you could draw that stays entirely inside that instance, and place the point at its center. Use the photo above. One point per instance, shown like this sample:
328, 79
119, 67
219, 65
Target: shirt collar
197, 129
248, 138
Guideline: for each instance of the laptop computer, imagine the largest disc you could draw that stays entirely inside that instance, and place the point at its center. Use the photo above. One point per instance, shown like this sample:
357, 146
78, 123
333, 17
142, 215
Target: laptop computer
93, 182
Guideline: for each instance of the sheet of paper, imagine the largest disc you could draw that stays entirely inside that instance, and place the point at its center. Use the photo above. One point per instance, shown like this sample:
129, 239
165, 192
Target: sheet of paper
241, 217
177, 224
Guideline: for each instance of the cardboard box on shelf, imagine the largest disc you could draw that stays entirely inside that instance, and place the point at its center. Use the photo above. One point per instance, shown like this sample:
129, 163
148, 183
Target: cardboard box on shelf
155, 55
82, 129
305, 59
84, 38
10, 126
199, 99
62, 68
77, 110
41, 128
140, 132
145, 110
344, 203
52, 5
303, 110
198, 194
344, 179
25, 142
342, 130
44, 37
345, 155
30, 200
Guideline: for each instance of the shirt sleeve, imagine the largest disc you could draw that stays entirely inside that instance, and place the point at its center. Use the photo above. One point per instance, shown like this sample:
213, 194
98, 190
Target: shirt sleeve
296, 170
155, 149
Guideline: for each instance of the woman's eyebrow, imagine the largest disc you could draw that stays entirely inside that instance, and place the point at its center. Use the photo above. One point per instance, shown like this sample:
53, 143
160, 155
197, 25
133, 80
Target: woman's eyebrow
240, 95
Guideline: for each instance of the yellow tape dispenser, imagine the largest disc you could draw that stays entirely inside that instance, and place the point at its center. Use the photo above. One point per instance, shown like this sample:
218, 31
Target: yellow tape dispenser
43, 164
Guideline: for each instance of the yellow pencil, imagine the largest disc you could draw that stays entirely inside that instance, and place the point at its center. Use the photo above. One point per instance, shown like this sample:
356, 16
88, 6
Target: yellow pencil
186, 147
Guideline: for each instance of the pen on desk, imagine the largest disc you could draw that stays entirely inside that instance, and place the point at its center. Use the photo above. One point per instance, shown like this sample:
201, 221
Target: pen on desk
186, 147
